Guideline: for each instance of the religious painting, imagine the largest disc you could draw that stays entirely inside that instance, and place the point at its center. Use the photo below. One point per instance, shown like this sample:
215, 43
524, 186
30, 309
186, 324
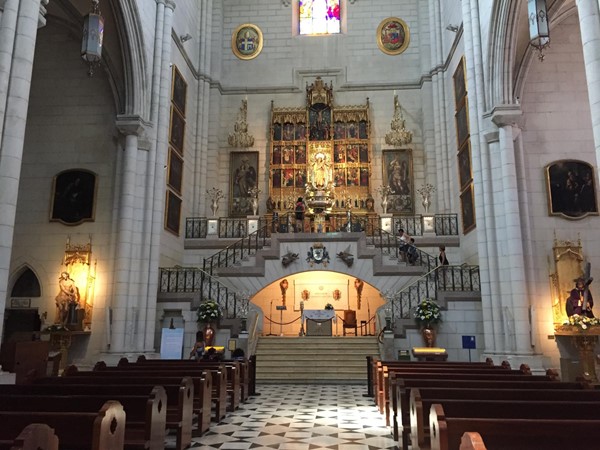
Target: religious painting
460, 87
276, 155
571, 189
173, 213
339, 154
464, 166
363, 132
276, 174
247, 41
363, 151
179, 91
467, 204
339, 130
353, 177
398, 174
277, 132
320, 122
288, 131
177, 130
301, 154
73, 197
175, 176
300, 134
243, 177
287, 156
352, 154
364, 176
339, 175
393, 36
352, 128
462, 123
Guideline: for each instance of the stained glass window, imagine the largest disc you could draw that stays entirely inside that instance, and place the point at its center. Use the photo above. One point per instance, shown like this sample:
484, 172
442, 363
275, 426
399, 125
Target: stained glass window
319, 16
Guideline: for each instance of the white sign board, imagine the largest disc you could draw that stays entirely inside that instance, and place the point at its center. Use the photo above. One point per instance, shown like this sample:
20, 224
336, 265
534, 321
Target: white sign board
171, 343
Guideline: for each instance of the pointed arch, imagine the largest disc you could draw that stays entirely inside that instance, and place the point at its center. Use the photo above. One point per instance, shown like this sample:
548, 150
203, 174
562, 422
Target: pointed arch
26, 283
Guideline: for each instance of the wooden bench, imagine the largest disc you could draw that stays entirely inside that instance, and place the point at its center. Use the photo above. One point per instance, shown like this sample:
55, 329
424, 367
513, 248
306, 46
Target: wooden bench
36, 436
421, 400
397, 408
179, 410
218, 376
513, 433
146, 414
102, 430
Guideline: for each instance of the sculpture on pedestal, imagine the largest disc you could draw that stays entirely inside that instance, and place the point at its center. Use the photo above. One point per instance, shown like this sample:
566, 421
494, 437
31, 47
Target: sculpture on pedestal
215, 195
425, 193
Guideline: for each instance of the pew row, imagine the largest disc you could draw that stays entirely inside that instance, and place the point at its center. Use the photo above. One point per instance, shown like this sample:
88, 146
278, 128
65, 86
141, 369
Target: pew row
102, 430
513, 433
146, 414
35, 436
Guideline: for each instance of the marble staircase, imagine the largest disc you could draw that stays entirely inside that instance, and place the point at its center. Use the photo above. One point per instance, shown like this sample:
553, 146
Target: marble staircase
314, 359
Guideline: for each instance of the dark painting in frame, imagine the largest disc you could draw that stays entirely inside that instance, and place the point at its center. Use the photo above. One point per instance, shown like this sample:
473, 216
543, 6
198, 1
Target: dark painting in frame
177, 130
571, 189
243, 176
398, 174
467, 206
175, 178
465, 174
462, 123
173, 213
73, 197
179, 91
460, 86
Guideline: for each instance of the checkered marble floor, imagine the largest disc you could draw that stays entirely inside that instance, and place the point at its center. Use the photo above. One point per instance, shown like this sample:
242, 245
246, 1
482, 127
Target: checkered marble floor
302, 417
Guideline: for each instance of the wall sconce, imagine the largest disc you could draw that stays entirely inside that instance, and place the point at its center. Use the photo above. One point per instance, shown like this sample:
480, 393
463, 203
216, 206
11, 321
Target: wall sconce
539, 30
185, 37
93, 34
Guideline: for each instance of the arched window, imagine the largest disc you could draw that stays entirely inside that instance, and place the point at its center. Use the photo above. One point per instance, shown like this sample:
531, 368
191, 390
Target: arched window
319, 16
27, 285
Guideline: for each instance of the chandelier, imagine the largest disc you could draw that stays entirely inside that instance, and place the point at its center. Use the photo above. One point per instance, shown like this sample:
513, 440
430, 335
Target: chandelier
93, 34
539, 32
240, 137
398, 135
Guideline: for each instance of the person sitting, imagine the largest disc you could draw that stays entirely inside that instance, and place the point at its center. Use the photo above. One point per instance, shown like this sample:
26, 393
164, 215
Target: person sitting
404, 242
198, 349
238, 353
580, 302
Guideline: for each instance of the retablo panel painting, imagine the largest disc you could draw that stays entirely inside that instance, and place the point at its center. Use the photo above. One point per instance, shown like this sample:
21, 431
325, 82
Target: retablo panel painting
243, 177
398, 174
571, 189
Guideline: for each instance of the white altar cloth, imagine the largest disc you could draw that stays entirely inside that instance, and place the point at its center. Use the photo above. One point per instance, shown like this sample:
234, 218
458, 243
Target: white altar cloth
319, 314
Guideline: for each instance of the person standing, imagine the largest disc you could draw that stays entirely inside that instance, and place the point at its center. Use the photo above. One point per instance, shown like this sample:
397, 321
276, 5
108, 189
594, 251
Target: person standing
299, 211
442, 262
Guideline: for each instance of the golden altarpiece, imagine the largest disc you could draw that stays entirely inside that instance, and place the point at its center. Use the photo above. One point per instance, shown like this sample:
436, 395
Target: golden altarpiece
322, 153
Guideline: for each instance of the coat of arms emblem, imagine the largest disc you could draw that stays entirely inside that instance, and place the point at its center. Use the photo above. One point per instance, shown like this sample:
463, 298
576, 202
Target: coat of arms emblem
318, 255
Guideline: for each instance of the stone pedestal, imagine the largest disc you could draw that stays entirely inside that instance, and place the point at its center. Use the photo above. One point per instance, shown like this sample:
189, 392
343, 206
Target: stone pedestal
212, 228
428, 224
386, 222
577, 349
253, 223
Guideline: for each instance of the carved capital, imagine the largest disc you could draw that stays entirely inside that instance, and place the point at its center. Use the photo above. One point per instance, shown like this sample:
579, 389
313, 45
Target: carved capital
131, 125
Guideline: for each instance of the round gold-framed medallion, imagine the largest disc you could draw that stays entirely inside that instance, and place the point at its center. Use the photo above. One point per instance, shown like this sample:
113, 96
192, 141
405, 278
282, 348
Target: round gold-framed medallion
393, 36
247, 41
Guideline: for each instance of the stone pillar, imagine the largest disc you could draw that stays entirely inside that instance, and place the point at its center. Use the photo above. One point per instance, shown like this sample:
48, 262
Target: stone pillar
125, 292
15, 117
589, 24
8, 27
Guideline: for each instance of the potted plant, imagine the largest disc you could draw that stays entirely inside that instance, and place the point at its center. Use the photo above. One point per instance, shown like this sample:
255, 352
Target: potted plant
208, 313
427, 314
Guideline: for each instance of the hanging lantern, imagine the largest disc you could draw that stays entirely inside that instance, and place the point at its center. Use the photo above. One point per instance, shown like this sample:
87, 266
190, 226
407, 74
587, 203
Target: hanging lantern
93, 33
539, 30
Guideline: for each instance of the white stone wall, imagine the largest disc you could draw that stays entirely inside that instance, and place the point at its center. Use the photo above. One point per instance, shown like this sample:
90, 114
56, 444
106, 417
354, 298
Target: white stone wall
557, 126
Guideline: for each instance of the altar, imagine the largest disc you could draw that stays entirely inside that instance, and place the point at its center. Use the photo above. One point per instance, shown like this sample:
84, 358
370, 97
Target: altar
318, 322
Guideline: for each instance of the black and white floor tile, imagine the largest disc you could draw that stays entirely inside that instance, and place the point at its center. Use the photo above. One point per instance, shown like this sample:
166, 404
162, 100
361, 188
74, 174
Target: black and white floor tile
302, 417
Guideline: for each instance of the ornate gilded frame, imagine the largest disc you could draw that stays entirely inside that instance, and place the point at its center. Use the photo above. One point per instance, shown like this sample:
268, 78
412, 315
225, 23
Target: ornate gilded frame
173, 213
467, 207
571, 186
568, 265
179, 90
386, 36
247, 41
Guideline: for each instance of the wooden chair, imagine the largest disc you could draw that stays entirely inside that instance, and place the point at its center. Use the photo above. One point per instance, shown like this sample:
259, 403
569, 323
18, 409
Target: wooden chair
350, 321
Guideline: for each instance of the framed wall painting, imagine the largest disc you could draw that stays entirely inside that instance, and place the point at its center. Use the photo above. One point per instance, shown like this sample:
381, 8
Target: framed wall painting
398, 174
177, 130
247, 41
73, 197
462, 123
465, 174
173, 213
460, 84
179, 91
243, 176
393, 36
175, 175
571, 189
467, 206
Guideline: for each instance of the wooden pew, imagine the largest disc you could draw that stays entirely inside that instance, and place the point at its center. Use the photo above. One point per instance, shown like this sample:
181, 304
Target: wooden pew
397, 408
36, 436
199, 376
179, 412
421, 400
513, 433
471, 441
102, 430
146, 414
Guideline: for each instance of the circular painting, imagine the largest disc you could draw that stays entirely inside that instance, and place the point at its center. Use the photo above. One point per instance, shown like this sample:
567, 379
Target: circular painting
393, 36
247, 41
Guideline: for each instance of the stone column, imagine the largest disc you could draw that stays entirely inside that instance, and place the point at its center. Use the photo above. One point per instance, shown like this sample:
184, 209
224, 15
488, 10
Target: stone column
13, 135
589, 24
125, 292
8, 27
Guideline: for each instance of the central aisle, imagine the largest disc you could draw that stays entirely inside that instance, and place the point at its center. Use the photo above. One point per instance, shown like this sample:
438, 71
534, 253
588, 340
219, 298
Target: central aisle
302, 417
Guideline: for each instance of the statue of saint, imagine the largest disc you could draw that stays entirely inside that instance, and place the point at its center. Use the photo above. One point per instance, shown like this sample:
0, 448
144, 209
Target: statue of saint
68, 295
321, 171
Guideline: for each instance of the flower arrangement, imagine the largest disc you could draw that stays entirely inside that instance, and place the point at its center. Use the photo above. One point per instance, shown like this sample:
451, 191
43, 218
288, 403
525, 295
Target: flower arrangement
582, 322
328, 306
55, 327
208, 311
426, 190
427, 313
